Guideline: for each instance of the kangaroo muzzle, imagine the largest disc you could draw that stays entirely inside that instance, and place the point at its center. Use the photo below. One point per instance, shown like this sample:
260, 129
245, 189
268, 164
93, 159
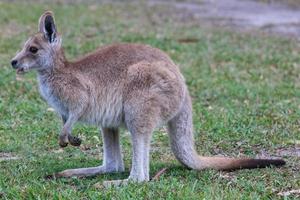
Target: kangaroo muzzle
15, 64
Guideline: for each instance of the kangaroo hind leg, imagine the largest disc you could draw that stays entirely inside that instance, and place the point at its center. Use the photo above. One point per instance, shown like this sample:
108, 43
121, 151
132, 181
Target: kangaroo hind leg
112, 161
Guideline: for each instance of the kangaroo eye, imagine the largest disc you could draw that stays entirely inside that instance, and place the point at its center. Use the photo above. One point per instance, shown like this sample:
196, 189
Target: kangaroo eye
33, 49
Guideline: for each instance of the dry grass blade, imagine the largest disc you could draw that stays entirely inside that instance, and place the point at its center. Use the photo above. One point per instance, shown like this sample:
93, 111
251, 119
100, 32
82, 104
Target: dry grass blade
159, 173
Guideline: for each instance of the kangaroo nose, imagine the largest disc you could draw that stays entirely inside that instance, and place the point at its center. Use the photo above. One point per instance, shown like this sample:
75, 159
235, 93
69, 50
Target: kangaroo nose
14, 63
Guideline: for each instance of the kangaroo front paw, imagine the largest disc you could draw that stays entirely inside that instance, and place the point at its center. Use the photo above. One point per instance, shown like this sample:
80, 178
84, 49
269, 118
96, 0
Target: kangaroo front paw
63, 144
75, 141
63, 141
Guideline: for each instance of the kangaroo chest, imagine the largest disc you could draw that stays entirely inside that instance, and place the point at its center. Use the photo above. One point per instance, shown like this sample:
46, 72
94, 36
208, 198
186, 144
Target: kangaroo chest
48, 94
103, 106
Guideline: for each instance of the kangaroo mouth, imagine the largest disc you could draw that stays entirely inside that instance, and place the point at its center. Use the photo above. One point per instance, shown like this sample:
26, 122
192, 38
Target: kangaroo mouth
21, 70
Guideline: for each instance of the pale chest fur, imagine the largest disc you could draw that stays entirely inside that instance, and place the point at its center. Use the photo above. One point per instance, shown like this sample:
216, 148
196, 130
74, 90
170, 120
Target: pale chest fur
48, 94
103, 105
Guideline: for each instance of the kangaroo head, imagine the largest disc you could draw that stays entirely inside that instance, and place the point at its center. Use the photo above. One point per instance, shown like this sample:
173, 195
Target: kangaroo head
41, 50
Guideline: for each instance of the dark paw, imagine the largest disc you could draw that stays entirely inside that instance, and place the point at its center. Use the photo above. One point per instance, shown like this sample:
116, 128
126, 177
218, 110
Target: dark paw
75, 141
63, 144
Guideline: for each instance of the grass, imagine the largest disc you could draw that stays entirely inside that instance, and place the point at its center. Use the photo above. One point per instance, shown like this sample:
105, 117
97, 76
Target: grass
246, 99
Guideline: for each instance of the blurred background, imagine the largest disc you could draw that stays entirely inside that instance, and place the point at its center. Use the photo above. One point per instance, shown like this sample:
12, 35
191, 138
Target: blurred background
279, 16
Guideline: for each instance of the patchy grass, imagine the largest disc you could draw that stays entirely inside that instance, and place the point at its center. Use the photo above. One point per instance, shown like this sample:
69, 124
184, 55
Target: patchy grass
246, 100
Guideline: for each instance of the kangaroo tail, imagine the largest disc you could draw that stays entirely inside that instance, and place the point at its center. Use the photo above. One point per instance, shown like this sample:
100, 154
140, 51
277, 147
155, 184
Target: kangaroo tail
180, 129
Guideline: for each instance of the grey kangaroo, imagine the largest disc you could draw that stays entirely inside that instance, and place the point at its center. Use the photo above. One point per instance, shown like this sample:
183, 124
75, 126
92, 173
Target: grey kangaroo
134, 85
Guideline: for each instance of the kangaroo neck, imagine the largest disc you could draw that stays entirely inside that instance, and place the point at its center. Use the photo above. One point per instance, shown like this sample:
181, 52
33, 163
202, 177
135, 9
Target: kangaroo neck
59, 64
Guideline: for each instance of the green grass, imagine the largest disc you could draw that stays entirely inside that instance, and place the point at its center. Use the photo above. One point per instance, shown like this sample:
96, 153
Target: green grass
246, 98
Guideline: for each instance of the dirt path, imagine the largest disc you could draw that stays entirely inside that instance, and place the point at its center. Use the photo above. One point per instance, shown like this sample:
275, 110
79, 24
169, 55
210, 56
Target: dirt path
243, 15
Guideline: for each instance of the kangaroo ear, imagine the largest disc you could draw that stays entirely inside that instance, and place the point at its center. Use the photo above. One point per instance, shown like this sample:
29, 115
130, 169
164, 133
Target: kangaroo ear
47, 26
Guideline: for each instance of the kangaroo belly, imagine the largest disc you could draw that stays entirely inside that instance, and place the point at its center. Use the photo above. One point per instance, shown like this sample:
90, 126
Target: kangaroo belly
110, 116
105, 108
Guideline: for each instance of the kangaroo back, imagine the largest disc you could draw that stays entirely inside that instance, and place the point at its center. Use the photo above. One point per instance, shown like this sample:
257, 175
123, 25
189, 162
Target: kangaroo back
180, 129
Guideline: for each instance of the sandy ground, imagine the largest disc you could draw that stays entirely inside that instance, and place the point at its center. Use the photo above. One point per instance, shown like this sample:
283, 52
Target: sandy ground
241, 15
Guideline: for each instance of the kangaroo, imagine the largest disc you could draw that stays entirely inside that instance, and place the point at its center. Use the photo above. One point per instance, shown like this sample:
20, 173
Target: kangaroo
131, 85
